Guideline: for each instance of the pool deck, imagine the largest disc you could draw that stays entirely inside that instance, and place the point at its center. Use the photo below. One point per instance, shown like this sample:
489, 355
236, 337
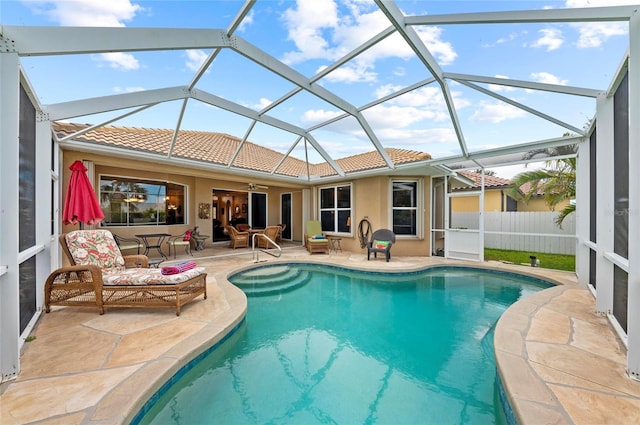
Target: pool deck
559, 361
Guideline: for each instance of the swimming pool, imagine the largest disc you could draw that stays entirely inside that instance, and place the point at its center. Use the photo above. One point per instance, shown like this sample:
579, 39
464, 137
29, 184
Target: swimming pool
322, 344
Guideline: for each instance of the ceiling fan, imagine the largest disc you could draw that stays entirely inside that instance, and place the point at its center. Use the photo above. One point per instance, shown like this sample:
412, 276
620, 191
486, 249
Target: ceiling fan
253, 186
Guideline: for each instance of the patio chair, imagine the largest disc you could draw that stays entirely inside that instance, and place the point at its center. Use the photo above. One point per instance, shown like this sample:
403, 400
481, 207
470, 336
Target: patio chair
128, 243
100, 276
314, 239
279, 237
183, 240
271, 232
238, 239
381, 241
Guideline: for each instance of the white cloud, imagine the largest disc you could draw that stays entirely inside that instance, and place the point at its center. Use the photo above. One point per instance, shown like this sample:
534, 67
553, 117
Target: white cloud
546, 77
316, 116
262, 103
509, 38
94, 13
195, 59
551, 39
247, 21
321, 30
350, 73
496, 112
600, 3
118, 60
596, 33
118, 89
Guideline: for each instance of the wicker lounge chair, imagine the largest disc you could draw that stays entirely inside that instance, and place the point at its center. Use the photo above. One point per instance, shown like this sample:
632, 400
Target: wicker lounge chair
101, 276
279, 237
381, 241
271, 232
314, 239
238, 239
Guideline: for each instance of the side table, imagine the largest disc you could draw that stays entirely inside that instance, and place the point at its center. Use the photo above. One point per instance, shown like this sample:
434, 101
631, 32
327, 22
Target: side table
199, 241
335, 243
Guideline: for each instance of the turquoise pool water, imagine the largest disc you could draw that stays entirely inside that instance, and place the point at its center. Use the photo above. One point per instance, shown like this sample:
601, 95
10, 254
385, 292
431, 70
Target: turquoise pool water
326, 345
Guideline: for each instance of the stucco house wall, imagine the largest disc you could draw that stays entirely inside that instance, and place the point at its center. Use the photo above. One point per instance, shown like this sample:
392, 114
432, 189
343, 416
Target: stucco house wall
371, 199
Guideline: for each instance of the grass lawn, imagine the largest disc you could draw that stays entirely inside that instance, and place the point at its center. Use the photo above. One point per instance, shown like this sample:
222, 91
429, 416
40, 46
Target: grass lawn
548, 261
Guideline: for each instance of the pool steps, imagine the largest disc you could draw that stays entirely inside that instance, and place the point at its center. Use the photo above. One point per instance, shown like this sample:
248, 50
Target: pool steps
271, 280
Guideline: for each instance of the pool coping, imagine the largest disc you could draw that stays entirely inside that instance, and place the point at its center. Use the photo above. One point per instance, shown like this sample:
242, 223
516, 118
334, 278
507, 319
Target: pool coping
23, 399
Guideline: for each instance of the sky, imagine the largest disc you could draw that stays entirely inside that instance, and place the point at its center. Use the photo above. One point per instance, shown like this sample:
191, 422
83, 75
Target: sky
309, 36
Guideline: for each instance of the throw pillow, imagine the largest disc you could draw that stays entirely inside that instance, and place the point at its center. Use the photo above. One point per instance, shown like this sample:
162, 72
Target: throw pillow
380, 244
187, 235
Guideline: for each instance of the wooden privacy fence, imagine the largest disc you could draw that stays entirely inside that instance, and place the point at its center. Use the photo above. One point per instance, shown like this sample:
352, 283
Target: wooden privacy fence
523, 231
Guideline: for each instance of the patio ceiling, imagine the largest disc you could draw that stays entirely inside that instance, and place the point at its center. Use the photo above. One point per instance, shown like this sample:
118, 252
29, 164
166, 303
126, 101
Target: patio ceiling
448, 130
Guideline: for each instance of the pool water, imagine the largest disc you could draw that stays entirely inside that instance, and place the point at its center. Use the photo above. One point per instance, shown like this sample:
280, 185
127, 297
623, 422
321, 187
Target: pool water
325, 345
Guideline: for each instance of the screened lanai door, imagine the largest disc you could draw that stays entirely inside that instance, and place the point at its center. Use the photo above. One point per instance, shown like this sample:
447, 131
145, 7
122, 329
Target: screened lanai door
462, 219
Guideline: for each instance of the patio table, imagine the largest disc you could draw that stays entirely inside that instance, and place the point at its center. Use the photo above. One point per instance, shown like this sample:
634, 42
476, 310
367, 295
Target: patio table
153, 240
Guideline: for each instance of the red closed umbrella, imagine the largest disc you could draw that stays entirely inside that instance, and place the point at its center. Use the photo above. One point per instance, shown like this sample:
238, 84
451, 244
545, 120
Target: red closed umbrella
81, 204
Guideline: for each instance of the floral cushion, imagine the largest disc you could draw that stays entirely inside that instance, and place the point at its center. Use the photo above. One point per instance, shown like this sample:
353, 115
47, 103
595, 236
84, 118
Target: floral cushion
136, 276
95, 247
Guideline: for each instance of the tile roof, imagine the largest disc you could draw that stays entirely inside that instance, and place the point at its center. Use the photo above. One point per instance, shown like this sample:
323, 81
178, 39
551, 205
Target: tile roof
219, 148
491, 182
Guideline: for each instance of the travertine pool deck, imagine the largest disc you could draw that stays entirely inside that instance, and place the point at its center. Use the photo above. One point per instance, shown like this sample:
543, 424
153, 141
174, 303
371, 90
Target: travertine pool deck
560, 362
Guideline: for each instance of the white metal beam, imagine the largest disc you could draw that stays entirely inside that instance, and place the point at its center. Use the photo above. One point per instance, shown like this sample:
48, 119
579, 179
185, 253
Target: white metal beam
412, 38
586, 14
260, 57
521, 106
506, 150
274, 122
633, 308
40, 41
583, 212
96, 105
555, 88
605, 211
9, 216
244, 11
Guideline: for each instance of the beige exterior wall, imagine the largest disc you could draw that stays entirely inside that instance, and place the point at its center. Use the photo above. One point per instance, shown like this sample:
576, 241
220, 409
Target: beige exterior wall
371, 199
199, 183
492, 202
539, 205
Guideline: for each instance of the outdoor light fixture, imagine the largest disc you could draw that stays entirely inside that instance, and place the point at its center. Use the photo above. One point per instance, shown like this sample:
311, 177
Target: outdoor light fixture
135, 198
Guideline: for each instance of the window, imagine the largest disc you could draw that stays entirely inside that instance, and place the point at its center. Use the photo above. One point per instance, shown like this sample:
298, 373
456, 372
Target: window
335, 209
135, 202
405, 208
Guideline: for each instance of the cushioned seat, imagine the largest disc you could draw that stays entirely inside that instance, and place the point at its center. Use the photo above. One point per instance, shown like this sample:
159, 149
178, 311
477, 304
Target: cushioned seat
238, 239
101, 276
314, 239
183, 240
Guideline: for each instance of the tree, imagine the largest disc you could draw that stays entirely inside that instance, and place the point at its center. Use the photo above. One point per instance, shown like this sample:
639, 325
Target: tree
486, 172
557, 181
